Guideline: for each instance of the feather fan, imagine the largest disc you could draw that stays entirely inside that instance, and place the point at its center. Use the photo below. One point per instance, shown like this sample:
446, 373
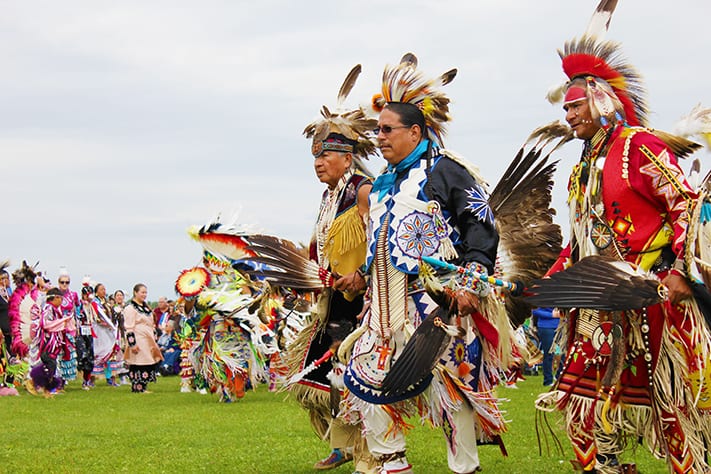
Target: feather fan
288, 266
221, 240
598, 282
431, 338
419, 357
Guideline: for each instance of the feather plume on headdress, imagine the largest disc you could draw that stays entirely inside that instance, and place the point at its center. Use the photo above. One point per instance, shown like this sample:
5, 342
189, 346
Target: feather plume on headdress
404, 83
355, 125
697, 123
596, 30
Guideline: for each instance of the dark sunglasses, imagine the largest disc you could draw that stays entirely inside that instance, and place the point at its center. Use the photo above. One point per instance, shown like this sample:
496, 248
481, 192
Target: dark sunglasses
63, 282
386, 129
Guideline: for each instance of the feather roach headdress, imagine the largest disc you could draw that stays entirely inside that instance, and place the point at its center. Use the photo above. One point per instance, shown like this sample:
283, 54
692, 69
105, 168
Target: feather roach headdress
612, 85
404, 83
594, 61
24, 274
345, 131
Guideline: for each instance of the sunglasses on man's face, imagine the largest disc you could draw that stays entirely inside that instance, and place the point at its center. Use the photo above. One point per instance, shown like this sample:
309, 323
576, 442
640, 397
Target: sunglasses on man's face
63, 282
387, 129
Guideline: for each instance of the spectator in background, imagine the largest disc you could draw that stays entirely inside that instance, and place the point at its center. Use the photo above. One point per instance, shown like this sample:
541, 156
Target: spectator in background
108, 359
118, 307
161, 313
5, 292
178, 314
142, 354
170, 349
546, 324
88, 316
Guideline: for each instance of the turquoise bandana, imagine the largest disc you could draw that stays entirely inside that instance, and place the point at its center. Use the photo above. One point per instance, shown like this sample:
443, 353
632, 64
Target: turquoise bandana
385, 182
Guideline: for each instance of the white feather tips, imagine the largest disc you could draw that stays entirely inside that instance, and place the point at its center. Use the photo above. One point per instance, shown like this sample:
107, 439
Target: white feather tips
697, 123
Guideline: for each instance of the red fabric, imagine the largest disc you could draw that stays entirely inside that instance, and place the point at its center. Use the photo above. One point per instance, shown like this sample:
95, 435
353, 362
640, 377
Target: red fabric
574, 94
644, 201
486, 329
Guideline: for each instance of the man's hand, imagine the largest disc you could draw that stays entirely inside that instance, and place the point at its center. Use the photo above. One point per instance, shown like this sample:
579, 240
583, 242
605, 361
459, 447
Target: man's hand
679, 289
467, 302
352, 283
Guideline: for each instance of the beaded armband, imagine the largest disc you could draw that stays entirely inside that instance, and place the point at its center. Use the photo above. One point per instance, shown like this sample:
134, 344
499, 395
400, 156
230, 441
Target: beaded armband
474, 279
326, 277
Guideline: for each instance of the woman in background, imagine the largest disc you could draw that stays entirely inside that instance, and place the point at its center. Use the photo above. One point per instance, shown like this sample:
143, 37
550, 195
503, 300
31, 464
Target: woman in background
142, 354
108, 359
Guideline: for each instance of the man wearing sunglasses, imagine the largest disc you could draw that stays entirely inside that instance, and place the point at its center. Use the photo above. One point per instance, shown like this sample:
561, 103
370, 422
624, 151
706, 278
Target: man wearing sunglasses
426, 203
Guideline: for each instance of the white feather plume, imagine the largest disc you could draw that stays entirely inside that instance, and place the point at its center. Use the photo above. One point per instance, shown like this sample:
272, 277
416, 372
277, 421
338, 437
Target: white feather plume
697, 123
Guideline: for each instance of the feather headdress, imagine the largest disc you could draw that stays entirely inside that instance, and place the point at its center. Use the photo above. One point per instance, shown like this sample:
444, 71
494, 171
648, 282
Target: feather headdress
354, 125
587, 57
24, 274
404, 83
599, 61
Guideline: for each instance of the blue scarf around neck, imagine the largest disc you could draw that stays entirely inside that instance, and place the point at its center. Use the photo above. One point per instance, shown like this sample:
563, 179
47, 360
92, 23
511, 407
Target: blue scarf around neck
385, 182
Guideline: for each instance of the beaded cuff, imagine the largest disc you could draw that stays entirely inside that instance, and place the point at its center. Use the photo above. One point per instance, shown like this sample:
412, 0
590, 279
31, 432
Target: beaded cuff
474, 279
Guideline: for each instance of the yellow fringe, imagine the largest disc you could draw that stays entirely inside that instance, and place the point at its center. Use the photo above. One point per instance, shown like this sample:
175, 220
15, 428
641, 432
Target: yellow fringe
606, 426
347, 232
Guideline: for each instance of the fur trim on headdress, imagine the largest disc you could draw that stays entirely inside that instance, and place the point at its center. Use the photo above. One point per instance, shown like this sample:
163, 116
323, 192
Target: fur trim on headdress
403, 83
354, 125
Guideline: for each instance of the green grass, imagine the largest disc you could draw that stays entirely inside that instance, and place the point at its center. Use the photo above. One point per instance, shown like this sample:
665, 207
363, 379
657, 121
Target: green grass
113, 430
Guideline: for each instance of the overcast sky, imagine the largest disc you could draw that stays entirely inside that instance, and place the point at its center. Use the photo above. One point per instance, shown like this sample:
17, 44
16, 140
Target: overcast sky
123, 123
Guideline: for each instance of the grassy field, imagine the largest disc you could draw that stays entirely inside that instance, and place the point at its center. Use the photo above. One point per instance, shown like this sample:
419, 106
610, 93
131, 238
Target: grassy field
113, 430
